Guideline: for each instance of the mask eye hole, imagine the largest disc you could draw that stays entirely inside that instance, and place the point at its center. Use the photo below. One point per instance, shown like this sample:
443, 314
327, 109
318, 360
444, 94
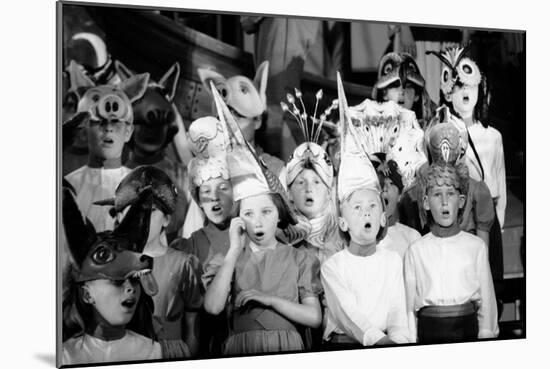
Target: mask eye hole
467, 69
387, 68
103, 255
446, 75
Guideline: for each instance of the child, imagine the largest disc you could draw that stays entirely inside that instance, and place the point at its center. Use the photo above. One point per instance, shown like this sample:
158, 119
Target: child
107, 307
465, 89
271, 287
399, 80
107, 115
450, 295
363, 283
399, 236
155, 122
177, 273
309, 178
212, 190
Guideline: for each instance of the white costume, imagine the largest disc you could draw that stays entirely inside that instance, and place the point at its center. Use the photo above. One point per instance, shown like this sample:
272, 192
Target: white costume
450, 271
399, 238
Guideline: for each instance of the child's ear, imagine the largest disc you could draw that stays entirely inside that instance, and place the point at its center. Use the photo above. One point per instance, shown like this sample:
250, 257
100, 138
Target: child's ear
342, 224
425, 203
383, 219
258, 123
86, 296
167, 219
128, 132
461, 201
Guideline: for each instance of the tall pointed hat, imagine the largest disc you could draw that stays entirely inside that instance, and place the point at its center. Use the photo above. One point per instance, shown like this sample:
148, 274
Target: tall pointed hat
356, 170
249, 174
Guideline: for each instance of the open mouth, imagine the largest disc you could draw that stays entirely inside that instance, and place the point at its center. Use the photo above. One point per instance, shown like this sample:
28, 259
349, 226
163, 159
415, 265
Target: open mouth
129, 303
309, 201
466, 99
386, 201
259, 234
401, 101
108, 141
445, 213
216, 208
368, 225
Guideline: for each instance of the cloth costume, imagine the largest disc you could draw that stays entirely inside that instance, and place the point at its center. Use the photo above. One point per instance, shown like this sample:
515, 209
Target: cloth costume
115, 255
442, 271
365, 295
399, 238
282, 271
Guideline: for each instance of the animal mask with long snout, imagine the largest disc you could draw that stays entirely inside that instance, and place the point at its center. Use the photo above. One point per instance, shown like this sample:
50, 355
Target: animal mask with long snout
102, 103
154, 114
115, 255
245, 97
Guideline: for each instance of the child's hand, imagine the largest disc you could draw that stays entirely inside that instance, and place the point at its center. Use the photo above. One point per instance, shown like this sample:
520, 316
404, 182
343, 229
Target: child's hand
252, 295
237, 234
384, 341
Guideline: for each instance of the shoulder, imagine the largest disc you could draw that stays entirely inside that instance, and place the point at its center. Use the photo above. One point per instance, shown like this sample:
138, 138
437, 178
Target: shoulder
389, 256
75, 175
144, 347
411, 233
470, 239
72, 343
335, 260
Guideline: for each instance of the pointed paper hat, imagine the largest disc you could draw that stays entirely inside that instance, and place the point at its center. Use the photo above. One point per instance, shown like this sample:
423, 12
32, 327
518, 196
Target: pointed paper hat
249, 174
309, 153
356, 170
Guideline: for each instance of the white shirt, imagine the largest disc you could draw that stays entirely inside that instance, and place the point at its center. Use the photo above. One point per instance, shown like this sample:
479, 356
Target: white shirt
488, 143
94, 184
365, 296
450, 271
399, 238
89, 349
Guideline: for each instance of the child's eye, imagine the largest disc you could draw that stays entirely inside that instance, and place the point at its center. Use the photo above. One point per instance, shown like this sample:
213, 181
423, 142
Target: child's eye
247, 214
267, 211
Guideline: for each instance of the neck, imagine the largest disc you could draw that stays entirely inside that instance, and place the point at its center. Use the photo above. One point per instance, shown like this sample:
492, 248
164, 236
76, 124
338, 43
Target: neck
143, 158
392, 219
362, 250
222, 226
155, 247
103, 330
468, 119
97, 162
266, 245
444, 232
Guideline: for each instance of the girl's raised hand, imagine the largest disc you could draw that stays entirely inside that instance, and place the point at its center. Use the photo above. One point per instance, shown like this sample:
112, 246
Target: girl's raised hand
237, 234
252, 295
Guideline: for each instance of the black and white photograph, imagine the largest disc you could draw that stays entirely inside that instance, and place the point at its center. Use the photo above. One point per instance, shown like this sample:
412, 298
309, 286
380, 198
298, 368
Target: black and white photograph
238, 184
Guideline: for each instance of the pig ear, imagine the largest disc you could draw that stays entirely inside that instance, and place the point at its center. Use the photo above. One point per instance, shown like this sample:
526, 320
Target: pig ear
260, 80
80, 82
219, 81
123, 72
135, 86
169, 81
80, 232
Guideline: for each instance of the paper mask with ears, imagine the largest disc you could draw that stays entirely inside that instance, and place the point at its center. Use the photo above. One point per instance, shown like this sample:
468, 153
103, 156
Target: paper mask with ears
245, 97
104, 103
114, 255
154, 114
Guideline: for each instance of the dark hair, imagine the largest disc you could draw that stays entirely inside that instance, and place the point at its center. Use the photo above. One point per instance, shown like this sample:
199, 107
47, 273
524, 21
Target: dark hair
284, 215
77, 313
481, 109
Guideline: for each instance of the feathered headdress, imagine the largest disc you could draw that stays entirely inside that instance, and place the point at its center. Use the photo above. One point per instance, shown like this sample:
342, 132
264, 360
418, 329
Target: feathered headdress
356, 170
446, 137
249, 174
457, 67
309, 153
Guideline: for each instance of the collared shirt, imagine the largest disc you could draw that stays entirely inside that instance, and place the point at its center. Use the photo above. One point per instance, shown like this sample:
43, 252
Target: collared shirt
450, 271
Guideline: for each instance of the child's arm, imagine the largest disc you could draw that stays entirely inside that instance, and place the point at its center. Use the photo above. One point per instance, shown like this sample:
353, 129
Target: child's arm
190, 338
484, 211
501, 180
343, 307
398, 330
218, 291
410, 292
487, 314
307, 312
192, 292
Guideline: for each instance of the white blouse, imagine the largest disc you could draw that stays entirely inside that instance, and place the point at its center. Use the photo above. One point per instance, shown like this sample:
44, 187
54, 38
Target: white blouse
450, 271
89, 349
488, 144
365, 296
399, 238
94, 184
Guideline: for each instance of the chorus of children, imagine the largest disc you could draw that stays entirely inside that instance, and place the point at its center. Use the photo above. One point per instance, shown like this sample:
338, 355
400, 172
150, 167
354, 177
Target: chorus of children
391, 238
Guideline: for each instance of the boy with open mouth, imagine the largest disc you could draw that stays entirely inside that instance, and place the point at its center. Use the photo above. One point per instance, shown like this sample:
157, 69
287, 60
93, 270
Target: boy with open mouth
450, 294
363, 283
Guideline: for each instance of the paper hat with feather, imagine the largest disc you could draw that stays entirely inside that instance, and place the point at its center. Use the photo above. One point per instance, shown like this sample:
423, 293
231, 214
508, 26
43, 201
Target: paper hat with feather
390, 132
209, 142
356, 170
456, 68
249, 174
310, 153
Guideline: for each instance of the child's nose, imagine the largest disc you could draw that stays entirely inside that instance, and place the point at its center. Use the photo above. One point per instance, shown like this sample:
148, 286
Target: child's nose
129, 286
444, 200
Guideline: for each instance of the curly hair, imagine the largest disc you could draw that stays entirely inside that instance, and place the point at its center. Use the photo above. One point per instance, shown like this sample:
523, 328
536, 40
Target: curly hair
444, 175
